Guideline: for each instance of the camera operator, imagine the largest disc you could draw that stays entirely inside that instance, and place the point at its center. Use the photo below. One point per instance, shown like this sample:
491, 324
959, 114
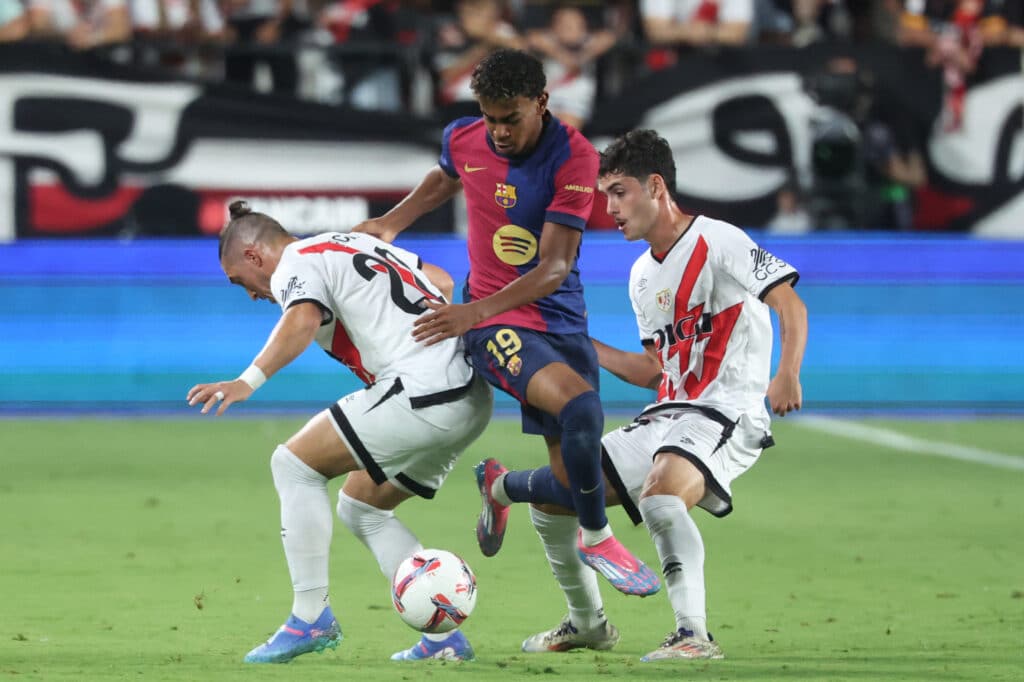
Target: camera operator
865, 162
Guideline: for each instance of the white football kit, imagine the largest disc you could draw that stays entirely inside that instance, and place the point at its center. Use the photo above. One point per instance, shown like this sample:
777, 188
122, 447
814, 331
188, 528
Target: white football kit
701, 305
423, 404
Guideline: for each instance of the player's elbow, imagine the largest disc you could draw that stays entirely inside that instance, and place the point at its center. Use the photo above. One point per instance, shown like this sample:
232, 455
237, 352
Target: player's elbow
554, 273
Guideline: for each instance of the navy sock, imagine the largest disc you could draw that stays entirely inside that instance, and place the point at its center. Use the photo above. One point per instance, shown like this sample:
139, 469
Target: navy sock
538, 486
582, 421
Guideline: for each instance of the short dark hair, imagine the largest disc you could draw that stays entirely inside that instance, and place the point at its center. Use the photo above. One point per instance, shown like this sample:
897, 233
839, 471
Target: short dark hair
638, 154
247, 225
506, 74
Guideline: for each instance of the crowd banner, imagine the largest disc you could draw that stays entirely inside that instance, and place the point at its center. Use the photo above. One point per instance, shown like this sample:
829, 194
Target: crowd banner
92, 148
740, 125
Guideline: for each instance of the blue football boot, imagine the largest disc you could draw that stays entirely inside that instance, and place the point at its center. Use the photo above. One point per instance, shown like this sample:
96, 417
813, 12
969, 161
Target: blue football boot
297, 637
455, 648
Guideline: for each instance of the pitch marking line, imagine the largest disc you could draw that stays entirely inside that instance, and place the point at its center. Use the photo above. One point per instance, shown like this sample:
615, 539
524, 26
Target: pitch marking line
899, 441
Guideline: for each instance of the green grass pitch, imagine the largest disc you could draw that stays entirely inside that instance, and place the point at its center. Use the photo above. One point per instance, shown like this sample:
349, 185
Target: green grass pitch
148, 549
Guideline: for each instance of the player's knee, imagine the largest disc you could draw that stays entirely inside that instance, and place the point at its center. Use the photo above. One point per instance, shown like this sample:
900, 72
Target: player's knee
360, 518
582, 413
286, 467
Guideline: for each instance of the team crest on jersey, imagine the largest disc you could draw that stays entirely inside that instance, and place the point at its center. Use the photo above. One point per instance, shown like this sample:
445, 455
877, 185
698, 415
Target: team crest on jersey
514, 245
505, 195
664, 299
515, 365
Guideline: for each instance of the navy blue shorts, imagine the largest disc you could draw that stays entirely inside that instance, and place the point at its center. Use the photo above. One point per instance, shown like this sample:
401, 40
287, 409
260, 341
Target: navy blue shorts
508, 357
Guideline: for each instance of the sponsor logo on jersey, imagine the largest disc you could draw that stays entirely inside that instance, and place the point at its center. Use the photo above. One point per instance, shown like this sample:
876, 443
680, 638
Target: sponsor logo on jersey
765, 264
514, 245
579, 188
293, 288
505, 195
664, 299
697, 324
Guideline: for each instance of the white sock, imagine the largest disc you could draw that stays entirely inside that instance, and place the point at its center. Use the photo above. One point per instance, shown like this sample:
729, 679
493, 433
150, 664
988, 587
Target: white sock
681, 550
387, 538
596, 537
498, 490
306, 527
578, 582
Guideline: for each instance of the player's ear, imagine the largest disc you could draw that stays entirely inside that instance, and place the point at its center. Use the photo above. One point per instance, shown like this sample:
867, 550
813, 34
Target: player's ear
252, 255
653, 186
542, 102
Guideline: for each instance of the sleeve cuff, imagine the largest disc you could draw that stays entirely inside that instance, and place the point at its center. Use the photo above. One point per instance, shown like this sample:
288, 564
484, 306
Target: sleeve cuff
567, 219
792, 278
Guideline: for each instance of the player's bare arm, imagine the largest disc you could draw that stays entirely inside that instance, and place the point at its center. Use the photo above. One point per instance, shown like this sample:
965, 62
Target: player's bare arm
434, 189
440, 279
558, 247
784, 392
639, 369
293, 333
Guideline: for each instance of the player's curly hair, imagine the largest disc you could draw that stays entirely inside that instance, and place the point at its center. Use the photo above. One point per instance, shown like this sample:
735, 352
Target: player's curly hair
506, 74
247, 226
638, 154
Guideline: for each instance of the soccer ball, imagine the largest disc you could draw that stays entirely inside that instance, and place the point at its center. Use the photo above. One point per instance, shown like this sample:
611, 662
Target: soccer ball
434, 591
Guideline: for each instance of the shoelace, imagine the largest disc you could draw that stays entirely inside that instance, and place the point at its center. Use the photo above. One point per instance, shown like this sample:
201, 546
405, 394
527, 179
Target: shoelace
677, 636
566, 628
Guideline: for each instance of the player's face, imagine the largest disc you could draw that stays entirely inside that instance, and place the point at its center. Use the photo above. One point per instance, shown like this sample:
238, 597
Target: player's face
630, 203
514, 125
249, 277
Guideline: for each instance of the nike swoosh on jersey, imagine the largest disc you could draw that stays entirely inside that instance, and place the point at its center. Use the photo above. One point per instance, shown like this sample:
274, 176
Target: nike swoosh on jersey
473, 169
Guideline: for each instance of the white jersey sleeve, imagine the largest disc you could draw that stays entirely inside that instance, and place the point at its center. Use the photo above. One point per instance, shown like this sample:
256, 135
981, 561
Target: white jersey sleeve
296, 281
755, 269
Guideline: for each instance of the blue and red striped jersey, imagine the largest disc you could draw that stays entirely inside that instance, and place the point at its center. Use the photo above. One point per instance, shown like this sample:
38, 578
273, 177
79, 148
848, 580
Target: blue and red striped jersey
508, 200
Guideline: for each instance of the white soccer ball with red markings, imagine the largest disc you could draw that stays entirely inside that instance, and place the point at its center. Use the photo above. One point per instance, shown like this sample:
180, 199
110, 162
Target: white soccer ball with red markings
434, 591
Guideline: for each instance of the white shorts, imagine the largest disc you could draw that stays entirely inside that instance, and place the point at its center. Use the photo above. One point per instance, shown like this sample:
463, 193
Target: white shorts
413, 447
720, 448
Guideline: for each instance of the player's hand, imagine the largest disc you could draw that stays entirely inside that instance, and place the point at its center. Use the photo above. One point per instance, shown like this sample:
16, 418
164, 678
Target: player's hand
785, 394
444, 321
225, 392
378, 228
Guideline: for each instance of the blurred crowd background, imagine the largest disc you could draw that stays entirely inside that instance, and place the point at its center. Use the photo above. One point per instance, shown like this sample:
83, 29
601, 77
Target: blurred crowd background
590, 48
416, 57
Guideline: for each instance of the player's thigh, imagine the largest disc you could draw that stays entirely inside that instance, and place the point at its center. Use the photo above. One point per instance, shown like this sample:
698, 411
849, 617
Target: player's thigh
543, 371
672, 474
551, 388
359, 486
317, 444
573, 370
